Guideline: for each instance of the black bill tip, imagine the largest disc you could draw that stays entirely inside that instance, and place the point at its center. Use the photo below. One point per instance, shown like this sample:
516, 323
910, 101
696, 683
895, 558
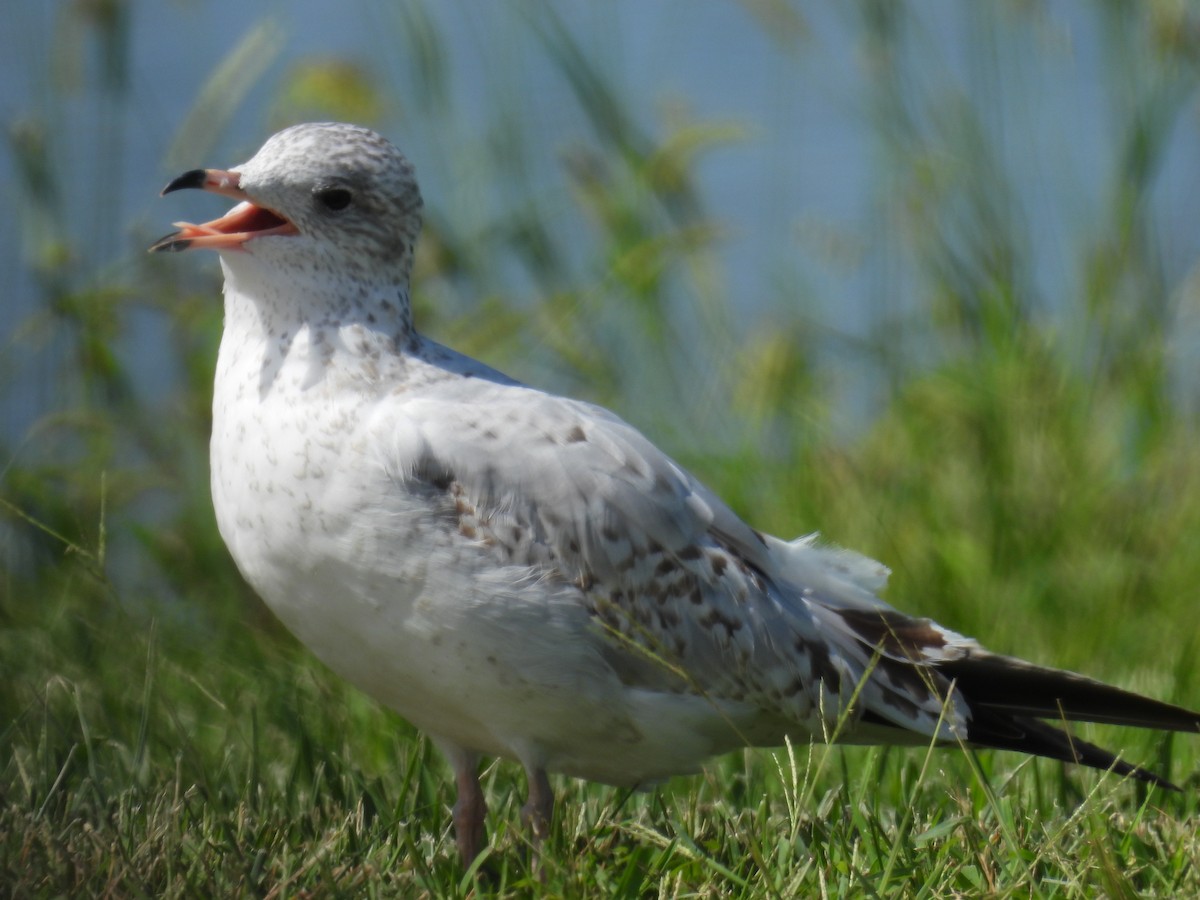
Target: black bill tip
193, 179
169, 243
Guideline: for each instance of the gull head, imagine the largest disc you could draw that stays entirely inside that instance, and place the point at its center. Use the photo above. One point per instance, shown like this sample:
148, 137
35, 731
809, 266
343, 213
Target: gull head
325, 198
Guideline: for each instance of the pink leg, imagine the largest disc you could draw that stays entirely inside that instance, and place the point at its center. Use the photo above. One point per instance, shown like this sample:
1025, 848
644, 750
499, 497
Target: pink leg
470, 807
539, 808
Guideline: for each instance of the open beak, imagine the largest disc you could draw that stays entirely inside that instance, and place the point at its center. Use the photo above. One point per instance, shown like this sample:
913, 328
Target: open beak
230, 232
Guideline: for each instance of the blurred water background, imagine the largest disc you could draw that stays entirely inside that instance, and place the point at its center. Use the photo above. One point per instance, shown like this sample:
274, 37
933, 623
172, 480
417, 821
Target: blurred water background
760, 230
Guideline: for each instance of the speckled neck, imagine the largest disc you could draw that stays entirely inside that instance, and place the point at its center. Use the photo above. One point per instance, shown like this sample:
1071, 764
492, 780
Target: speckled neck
272, 324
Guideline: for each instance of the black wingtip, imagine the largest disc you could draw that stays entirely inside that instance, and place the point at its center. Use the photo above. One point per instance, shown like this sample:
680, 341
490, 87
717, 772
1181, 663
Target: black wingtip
1022, 688
188, 180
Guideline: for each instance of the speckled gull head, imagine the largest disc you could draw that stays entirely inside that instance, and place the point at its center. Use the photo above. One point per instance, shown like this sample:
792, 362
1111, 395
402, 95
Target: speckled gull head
320, 198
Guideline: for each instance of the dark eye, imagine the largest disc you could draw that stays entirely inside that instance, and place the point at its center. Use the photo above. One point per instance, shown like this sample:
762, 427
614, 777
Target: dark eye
333, 199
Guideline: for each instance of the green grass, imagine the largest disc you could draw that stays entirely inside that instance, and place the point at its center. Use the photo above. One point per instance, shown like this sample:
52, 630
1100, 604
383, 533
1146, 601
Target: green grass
216, 760
1031, 482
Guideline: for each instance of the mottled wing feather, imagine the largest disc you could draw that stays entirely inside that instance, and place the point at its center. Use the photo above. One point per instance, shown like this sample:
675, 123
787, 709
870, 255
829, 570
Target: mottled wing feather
686, 595
580, 473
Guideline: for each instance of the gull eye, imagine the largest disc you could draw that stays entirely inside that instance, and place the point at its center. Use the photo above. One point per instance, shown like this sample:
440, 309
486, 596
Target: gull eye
332, 199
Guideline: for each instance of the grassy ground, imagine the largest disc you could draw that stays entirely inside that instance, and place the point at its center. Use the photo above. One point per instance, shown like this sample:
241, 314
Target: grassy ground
1034, 483
202, 753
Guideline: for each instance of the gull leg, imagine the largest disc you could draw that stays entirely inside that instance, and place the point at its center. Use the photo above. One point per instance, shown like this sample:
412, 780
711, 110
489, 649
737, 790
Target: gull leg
539, 807
469, 807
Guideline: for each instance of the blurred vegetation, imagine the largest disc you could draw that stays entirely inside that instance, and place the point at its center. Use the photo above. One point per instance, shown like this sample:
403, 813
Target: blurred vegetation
1032, 479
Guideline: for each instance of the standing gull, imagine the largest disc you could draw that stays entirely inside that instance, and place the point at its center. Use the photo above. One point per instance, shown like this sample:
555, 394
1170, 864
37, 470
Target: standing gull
527, 576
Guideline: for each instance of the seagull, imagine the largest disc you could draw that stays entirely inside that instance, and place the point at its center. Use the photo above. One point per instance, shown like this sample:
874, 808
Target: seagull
526, 576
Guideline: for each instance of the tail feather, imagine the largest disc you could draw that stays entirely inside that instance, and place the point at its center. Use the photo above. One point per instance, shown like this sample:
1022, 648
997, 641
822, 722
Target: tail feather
1000, 700
1008, 698
1027, 735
